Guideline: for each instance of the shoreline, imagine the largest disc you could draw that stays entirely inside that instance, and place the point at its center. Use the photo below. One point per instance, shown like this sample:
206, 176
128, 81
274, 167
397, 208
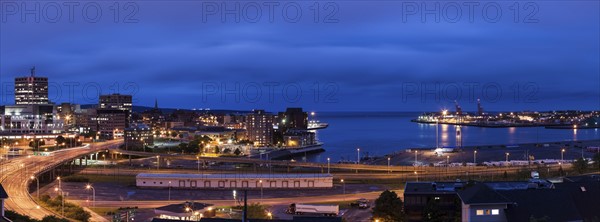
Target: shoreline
489, 153
508, 125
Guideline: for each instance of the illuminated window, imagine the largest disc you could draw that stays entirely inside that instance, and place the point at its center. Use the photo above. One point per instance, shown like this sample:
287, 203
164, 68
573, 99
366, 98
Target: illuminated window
479, 212
495, 212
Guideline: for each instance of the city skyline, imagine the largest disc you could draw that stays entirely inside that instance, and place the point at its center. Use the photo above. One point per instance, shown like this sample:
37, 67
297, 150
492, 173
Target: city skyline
369, 58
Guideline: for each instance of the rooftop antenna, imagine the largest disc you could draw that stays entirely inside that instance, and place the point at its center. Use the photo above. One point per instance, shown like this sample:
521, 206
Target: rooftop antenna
33, 71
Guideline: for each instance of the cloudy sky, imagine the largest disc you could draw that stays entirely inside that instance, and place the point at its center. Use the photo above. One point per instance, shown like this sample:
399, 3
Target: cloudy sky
324, 56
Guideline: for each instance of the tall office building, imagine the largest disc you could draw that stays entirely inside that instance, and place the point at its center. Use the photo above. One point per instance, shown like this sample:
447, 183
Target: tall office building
259, 126
31, 90
116, 102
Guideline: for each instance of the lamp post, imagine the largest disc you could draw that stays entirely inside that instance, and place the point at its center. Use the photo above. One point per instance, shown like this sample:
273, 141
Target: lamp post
357, 155
198, 162
448, 160
343, 187
270, 215
328, 165
38, 186
157, 162
389, 164
261, 189
417, 175
475, 157
62, 199
90, 187
169, 190
416, 152
562, 155
59, 187
507, 154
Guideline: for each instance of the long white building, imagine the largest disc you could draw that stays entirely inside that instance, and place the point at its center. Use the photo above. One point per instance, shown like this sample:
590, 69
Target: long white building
235, 181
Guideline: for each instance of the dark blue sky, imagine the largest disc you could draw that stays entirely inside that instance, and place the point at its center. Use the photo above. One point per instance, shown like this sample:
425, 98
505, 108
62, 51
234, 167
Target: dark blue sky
359, 55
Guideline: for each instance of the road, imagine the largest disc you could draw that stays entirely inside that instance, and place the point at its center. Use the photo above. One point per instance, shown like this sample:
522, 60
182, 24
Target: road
16, 175
271, 201
423, 173
353, 167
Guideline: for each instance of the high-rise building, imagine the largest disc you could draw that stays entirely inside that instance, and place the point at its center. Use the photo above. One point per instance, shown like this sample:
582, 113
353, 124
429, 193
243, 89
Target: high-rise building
31, 90
116, 102
110, 123
259, 126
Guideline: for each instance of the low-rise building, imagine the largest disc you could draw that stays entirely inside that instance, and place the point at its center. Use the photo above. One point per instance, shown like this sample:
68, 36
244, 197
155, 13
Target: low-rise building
567, 199
235, 181
139, 135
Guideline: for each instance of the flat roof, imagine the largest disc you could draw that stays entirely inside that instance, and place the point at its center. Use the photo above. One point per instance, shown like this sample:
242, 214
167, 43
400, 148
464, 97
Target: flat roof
232, 176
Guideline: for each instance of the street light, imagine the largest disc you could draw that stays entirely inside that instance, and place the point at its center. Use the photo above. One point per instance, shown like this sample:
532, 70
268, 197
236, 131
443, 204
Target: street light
343, 187
448, 160
357, 155
58, 178
389, 164
475, 157
507, 154
261, 189
38, 186
90, 187
416, 152
417, 175
328, 165
169, 190
562, 155
62, 198
198, 161
157, 162
270, 215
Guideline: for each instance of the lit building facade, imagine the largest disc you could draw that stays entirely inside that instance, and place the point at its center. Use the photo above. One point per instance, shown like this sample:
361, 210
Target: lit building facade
118, 102
38, 119
31, 90
110, 123
259, 126
139, 135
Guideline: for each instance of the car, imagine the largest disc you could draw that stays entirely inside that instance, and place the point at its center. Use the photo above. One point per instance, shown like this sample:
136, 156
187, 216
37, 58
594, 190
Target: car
361, 203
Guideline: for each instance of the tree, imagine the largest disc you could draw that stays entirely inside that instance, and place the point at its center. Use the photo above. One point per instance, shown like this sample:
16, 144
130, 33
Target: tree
60, 139
237, 151
580, 165
173, 134
388, 207
52, 218
257, 211
18, 217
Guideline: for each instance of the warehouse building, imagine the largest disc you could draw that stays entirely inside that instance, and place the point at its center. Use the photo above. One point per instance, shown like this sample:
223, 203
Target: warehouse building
235, 181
